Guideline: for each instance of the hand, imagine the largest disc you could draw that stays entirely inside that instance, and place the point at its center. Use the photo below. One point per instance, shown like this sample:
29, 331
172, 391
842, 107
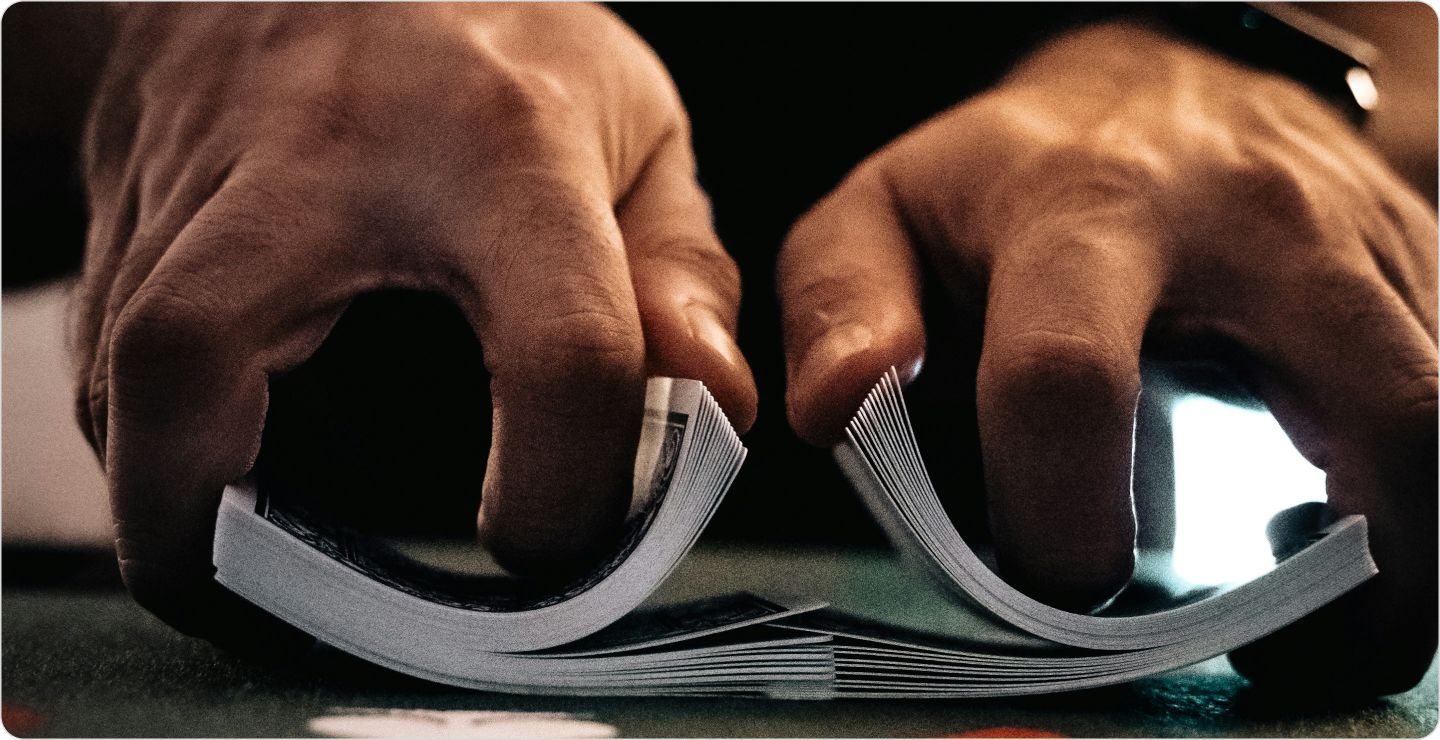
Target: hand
1121, 188
252, 169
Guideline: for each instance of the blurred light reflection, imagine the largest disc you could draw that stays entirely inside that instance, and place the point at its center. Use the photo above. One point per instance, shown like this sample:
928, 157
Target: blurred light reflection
1234, 469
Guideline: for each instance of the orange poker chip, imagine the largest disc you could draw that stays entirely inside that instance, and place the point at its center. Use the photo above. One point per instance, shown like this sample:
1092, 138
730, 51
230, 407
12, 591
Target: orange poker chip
1007, 732
20, 721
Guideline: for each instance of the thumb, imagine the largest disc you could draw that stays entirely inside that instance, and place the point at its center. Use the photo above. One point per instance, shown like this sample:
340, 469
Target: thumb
686, 286
849, 283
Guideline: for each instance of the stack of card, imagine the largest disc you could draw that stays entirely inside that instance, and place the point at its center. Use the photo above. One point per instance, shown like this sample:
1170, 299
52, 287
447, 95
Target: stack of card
1129, 639
362, 596
588, 638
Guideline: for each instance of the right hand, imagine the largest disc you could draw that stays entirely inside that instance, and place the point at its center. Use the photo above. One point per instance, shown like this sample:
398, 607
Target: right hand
252, 169
1122, 189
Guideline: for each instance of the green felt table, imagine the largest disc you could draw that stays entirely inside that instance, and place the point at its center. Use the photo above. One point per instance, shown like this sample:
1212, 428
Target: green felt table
80, 659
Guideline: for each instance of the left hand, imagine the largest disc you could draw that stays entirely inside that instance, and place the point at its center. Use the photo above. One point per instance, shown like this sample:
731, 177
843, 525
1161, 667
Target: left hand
252, 170
1120, 187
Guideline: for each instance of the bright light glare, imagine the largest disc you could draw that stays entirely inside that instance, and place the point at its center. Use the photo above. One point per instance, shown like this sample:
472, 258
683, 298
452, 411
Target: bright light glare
1234, 469
1362, 86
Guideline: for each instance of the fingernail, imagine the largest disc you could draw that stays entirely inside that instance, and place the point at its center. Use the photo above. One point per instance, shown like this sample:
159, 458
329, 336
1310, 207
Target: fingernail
909, 372
706, 327
833, 347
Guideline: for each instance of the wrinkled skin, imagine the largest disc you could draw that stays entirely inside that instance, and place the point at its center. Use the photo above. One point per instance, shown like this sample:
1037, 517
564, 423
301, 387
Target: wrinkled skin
252, 169
1120, 187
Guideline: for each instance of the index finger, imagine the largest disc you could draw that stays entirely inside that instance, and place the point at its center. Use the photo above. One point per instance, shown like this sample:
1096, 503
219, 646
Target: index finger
188, 368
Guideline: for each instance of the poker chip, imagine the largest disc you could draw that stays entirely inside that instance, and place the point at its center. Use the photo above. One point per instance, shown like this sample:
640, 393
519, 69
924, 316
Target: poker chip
383, 722
20, 721
1007, 732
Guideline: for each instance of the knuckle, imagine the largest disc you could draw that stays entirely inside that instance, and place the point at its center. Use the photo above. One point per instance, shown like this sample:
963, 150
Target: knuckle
1280, 194
703, 259
587, 348
1045, 242
1414, 402
166, 323
1087, 173
1074, 183
552, 210
594, 338
519, 109
829, 299
1038, 365
508, 107
1359, 302
524, 94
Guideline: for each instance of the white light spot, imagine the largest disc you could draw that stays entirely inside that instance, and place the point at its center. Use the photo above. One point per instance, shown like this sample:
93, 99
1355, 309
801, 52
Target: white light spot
1362, 87
366, 722
1234, 469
